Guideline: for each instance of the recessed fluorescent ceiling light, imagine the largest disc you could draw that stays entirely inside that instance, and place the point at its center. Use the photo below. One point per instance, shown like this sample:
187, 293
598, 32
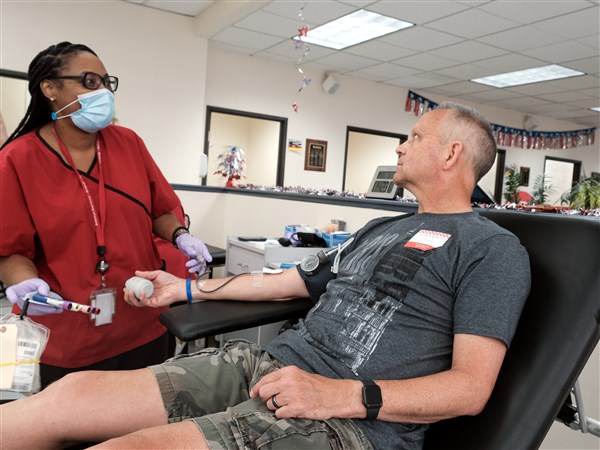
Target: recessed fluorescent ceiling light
535, 75
360, 26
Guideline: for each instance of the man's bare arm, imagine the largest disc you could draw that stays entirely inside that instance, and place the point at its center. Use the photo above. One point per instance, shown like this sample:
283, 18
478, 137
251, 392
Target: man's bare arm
249, 287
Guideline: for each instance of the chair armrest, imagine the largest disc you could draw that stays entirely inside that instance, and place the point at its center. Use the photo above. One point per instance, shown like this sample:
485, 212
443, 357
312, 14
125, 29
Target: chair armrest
208, 318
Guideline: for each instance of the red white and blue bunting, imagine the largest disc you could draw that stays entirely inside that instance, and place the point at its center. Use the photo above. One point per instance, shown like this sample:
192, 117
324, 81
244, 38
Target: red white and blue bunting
516, 137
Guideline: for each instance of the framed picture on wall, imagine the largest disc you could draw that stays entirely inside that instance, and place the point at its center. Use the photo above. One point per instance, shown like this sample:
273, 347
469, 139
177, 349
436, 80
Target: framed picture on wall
524, 172
316, 155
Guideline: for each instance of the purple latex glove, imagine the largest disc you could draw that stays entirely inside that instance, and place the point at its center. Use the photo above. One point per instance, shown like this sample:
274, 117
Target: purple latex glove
16, 292
196, 250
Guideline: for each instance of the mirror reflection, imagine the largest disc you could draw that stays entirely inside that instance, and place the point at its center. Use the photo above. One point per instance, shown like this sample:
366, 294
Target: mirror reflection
559, 177
365, 151
261, 138
15, 99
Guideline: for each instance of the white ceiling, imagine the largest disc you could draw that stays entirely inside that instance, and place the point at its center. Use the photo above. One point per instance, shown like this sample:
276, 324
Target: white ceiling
451, 42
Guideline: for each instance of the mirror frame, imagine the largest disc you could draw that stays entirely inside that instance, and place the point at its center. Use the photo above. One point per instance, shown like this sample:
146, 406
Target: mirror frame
19, 76
349, 129
499, 182
13, 74
234, 112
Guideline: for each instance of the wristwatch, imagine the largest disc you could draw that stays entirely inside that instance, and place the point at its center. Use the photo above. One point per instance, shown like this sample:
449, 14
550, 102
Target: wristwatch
371, 398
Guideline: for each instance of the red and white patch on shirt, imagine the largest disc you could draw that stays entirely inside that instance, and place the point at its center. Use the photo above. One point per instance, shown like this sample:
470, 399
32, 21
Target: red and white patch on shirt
427, 240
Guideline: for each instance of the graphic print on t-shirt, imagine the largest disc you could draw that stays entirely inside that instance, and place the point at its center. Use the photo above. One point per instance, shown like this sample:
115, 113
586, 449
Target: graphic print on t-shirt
371, 286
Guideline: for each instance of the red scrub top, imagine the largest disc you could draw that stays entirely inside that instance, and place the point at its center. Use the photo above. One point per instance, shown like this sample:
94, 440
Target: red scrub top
45, 216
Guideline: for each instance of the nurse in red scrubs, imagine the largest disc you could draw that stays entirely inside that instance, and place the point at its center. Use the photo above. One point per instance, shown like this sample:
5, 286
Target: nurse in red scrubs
81, 201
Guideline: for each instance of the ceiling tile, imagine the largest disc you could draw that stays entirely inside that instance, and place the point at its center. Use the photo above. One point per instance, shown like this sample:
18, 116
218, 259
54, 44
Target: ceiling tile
287, 48
271, 24
591, 41
185, 8
420, 39
314, 13
521, 38
422, 81
561, 52
418, 11
426, 62
472, 23
587, 103
576, 25
591, 92
563, 114
563, 97
466, 72
246, 38
535, 89
521, 102
388, 71
460, 88
587, 65
380, 50
495, 94
575, 83
509, 63
468, 51
532, 11
347, 61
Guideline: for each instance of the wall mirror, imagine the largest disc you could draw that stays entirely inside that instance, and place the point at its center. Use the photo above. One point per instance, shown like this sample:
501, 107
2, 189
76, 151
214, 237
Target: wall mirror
15, 99
261, 137
561, 174
365, 151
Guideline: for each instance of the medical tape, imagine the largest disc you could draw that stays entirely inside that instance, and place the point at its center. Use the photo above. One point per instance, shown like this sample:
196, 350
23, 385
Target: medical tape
257, 278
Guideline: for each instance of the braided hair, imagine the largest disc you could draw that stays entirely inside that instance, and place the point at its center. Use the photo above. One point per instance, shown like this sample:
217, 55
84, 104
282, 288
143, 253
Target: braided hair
46, 64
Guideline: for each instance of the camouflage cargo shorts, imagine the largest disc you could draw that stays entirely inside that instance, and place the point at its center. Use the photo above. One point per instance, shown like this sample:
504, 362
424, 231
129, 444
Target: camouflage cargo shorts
212, 387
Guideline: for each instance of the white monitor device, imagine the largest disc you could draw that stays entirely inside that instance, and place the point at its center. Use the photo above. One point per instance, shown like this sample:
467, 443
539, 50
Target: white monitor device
382, 185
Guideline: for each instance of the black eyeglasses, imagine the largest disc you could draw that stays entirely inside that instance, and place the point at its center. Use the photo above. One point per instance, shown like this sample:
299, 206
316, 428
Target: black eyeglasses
91, 80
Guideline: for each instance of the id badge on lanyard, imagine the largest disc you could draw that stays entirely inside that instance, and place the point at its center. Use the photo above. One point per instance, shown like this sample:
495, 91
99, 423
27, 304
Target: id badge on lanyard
104, 297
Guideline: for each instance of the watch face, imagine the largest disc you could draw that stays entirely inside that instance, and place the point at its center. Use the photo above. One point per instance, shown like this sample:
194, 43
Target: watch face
372, 395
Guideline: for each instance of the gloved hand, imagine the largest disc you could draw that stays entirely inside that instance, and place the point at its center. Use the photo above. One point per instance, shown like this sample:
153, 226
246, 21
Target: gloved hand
196, 250
17, 292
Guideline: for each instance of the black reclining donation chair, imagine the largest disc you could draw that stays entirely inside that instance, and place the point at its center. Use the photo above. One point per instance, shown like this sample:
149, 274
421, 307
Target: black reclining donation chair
558, 330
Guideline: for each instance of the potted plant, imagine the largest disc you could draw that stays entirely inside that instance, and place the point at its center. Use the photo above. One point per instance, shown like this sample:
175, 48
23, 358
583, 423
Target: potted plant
512, 181
541, 189
584, 195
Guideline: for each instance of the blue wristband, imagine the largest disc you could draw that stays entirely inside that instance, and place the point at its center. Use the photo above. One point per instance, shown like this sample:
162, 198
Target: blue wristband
188, 289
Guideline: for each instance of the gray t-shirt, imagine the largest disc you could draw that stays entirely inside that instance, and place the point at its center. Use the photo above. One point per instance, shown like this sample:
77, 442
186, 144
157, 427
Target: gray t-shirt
404, 288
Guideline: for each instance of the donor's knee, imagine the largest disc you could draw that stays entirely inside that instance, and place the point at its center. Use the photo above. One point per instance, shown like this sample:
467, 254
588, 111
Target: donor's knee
73, 384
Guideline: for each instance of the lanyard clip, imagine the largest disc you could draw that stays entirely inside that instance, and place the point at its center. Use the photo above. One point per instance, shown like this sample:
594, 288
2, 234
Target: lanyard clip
102, 266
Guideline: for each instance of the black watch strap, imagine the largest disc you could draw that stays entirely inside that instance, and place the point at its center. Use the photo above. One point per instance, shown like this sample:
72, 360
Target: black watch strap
371, 398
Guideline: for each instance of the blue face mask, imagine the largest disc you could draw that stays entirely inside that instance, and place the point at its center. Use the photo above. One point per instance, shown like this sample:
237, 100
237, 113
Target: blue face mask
96, 112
